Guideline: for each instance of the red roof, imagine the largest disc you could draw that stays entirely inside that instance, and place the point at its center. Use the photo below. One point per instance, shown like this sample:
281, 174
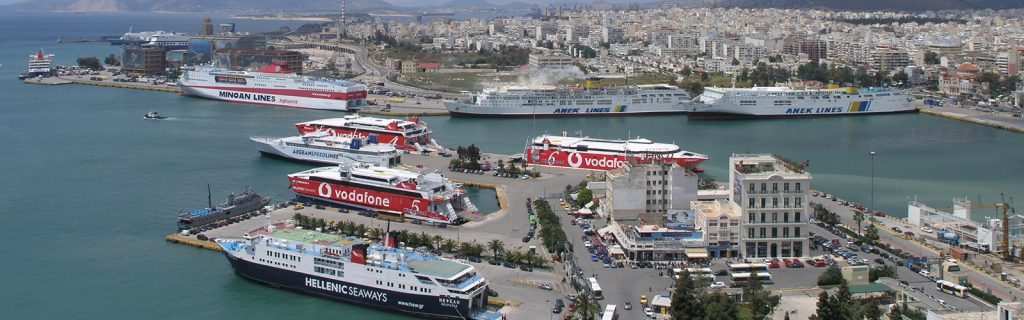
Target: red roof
429, 65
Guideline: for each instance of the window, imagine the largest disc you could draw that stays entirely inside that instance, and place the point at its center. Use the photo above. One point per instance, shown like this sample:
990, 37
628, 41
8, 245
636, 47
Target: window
762, 217
763, 234
775, 232
751, 203
796, 216
796, 232
799, 202
785, 202
785, 232
750, 233
775, 187
763, 201
752, 217
797, 185
752, 189
775, 202
785, 187
764, 187
785, 217
775, 217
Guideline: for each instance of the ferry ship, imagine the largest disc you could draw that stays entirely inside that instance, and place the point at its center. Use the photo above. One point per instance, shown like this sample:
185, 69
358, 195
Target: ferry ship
345, 269
324, 148
604, 154
766, 102
274, 85
236, 205
549, 101
408, 135
39, 65
166, 40
427, 197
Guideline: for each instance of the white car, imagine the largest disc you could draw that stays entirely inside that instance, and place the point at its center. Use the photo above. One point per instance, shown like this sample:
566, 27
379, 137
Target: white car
926, 229
648, 311
717, 285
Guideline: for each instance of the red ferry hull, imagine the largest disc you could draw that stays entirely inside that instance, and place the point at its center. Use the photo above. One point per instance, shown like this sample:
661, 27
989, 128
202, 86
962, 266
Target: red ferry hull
592, 161
408, 206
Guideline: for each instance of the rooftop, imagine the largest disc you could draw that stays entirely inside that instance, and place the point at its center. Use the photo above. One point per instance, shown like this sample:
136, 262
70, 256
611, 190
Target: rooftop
766, 164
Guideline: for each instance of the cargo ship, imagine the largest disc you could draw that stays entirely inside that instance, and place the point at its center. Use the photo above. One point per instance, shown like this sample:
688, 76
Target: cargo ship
322, 147
426, 197
274, 85
236, 205
343, 269
791, 102
408, 135
604, 154
551, 101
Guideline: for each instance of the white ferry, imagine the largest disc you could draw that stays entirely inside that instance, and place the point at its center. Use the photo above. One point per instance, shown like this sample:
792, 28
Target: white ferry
763, 102
550, 101
323, 147
274, 85
344, 269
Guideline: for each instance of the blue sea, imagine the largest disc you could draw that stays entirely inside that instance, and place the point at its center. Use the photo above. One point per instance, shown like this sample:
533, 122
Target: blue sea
88, 189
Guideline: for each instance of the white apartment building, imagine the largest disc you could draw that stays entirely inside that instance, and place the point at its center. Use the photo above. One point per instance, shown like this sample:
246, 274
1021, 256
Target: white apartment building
720, 221
646, 192
772, 196
552, 61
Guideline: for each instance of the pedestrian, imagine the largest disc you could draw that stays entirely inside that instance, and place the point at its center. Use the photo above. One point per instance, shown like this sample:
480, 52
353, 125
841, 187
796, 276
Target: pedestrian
650, 289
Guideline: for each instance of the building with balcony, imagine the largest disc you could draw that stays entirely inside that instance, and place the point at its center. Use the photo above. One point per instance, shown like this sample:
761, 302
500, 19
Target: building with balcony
677, 239
772, 195
720, 221
144, 60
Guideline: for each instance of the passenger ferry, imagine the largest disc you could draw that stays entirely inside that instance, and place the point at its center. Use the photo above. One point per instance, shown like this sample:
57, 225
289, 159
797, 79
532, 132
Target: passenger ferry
322, 147
604, 154
427, 197
384, 277
275, 85
408, 135
39, 65
550, 101
759, 102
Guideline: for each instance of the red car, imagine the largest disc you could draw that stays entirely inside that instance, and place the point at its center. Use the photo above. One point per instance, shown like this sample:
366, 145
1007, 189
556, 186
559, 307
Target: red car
820, 263
774, 265
879, 214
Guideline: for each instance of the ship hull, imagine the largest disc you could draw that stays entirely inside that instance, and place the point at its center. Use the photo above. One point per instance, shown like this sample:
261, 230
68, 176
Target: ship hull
400, 142
269, 147
469, 110
742, 116
258, 97
415, 305
592, 161
407, 203
841, 104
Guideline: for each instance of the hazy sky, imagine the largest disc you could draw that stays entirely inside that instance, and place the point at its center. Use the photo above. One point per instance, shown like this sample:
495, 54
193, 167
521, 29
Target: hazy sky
422, 2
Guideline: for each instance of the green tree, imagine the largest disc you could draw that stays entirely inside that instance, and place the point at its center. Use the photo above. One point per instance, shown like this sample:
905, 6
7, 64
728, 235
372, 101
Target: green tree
496, 247
92, 63
859, 218
882, 271
707, 183
585, 306
827, 308
719, 306
685, 305
761, 301
831, 277
900, 77
449, 245
871, 234
826, 216
687, 71
584, 197
931, 57
112, 60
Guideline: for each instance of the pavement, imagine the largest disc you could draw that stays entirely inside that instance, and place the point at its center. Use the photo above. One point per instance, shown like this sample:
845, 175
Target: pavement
1002, 121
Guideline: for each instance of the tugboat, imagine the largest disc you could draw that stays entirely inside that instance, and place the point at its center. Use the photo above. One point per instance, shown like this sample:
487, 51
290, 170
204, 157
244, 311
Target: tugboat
152, 115
236, 205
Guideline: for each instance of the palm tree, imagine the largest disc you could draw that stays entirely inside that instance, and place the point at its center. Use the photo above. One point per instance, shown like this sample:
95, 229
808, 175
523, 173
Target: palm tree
584, 306
466, 249
476, 249
529, 257
496, 247
436, 241
349, 228
360, 231
375, 233
448, 245
513, 256
859, 217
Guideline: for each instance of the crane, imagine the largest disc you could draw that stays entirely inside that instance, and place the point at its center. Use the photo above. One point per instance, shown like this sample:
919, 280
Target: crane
1007, 208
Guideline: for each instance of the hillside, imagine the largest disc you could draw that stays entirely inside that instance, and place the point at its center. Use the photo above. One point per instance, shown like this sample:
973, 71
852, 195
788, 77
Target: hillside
197, 5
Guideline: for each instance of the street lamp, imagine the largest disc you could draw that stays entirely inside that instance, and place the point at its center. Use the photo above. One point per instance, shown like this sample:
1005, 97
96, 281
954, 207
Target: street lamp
873, 154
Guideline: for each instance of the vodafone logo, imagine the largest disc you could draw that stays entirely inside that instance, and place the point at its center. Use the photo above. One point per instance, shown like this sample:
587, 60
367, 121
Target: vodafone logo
551, 158
603, 162
324, 190
575, 160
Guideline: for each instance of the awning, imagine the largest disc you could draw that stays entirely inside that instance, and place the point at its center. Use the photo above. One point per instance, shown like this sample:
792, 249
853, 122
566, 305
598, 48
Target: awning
603, 231
585, 212
696, 253
616, 251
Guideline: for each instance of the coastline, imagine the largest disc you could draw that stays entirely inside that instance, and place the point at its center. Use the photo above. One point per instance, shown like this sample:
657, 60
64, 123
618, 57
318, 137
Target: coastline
1013, 124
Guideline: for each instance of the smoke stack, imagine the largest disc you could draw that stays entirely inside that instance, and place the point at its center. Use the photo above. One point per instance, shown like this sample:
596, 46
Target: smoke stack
359, 253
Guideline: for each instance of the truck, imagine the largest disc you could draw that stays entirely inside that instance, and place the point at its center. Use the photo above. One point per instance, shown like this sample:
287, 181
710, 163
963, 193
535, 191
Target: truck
948, 237
394, 100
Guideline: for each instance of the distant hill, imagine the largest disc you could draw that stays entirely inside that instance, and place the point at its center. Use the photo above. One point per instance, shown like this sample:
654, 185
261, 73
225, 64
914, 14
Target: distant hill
866, 5
468, 4
198, 5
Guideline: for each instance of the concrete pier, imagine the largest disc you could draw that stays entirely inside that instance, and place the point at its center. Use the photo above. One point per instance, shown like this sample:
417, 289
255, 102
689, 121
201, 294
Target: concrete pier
991, 120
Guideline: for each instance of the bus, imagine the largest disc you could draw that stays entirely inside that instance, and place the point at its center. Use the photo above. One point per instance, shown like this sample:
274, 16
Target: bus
609, 313
951, 288
595, 289
740, 279
748, 267
694, 273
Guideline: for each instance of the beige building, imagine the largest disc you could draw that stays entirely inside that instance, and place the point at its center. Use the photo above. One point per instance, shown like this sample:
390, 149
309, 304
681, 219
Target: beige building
856, 275
644, 193
550, 61
772, 196
720, 220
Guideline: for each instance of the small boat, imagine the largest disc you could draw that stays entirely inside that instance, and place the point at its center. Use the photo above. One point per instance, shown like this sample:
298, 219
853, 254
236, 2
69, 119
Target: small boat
152, 115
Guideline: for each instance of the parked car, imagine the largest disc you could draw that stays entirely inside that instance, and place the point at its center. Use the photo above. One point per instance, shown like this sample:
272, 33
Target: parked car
717, 285
545, 286
926, 230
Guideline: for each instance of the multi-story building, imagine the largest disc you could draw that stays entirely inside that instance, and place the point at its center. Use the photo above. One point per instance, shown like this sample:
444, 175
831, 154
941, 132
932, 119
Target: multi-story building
772, 195
644, 193
145, 60
720, 221
814, 48
550, 61
890, 58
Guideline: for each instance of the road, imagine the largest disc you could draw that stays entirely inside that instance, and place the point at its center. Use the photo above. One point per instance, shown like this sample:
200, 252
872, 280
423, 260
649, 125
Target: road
980, 280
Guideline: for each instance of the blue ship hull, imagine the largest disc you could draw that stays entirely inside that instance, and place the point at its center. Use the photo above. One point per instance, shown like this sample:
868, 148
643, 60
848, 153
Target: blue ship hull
421, 306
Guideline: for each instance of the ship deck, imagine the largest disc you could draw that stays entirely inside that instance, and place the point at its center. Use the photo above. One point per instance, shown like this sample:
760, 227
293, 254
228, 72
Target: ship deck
308, 236
439, 268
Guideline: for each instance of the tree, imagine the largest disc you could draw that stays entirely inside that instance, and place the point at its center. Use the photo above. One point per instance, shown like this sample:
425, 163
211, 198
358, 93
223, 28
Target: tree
885, 270
496, 247
112, 60
687, 71
900, 77
685, 305
584, 197
707, 183
761, 301
586, 307
931, 57
735, 61
719, 306
91, 63
858, 217
831, 277
871, 234
449, 245
826, 216
827, 308
694, 88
